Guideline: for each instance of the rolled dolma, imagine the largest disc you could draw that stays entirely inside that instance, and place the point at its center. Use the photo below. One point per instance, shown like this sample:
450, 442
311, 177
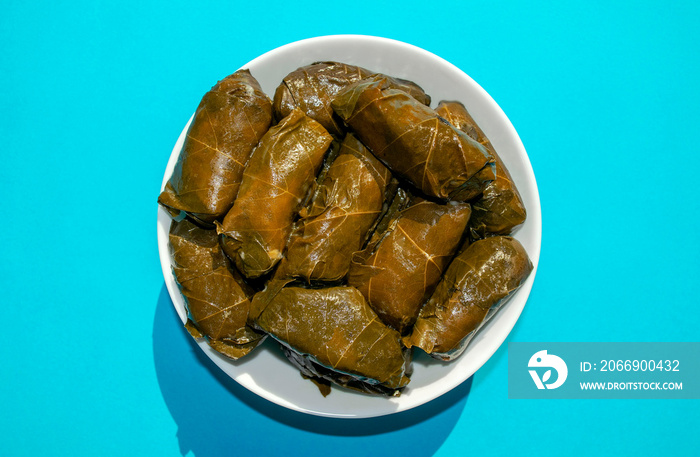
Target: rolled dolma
499, 210
344, 207
413, 141
399, 269
228, 123
216, 298
311, 89
336, 329
275, 182
480, 278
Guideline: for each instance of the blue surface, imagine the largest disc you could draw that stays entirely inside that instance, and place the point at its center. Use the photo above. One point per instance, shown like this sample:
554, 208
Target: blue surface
93, 95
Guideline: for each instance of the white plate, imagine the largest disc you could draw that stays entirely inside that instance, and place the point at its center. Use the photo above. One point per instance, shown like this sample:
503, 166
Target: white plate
266, 372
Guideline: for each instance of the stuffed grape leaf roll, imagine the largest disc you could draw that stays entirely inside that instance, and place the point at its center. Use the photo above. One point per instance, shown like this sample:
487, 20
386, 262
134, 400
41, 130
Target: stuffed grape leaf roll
312, 88
275, 182
480, 278
228, 123
216, 297
399, 269
343, 209
413, 141
335, 328
499, 209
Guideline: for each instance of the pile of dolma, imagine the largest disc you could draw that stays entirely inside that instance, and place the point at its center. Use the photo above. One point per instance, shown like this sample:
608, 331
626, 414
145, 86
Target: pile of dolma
345, 219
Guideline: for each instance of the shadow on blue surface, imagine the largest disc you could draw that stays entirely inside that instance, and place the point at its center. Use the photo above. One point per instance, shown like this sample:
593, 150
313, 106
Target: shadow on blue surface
217, 416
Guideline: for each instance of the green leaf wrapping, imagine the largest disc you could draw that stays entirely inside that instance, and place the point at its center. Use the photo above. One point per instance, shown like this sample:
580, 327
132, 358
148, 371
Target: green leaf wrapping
312, 88
481, 277
228, 123
336, 328
275, 182
413, 141
216, 298
500, 209
399, 269
344, 207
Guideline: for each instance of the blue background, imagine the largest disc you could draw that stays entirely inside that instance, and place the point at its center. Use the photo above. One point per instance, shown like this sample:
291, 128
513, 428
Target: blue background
605, 97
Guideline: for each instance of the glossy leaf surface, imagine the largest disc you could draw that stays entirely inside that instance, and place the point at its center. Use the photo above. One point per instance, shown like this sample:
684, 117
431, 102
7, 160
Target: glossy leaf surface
275, 183
344, 207
336, 328
411, 139
228, 123
480, 277
216, 298
399, 269
500, 209
312, 88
